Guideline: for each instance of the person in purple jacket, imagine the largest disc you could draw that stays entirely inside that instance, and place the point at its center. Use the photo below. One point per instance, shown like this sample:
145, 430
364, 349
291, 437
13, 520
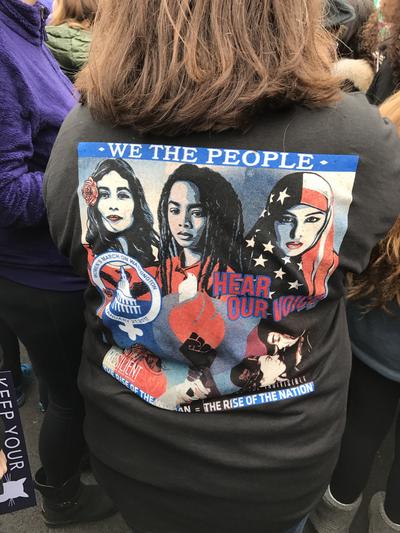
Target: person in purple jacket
48, 4
41, 300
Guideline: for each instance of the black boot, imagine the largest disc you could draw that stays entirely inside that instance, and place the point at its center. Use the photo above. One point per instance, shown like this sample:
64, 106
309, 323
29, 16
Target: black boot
73, 502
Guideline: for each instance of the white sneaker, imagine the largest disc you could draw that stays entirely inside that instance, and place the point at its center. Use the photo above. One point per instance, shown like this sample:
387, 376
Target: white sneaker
379, 522
331, 516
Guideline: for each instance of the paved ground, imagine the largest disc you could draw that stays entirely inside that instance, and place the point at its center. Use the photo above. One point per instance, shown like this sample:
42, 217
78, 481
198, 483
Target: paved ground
29, 520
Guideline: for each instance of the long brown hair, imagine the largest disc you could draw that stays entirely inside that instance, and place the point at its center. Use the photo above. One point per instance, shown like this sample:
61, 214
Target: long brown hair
79, 13
177, 66
370, 35
393, 52
381, 280
384, 36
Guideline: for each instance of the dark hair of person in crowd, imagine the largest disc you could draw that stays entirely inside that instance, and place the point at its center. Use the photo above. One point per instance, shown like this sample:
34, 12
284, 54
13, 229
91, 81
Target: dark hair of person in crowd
376, 37
205, 75
381, 280
140, 236
350, 39
371, 33
76, 13
222, 238
393, 47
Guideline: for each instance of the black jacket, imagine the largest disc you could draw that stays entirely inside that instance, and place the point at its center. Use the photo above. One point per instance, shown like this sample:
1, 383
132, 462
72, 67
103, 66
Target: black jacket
383, 85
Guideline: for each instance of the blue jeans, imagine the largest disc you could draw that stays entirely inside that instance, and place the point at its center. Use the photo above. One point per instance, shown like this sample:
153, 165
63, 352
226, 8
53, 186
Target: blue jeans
298, 528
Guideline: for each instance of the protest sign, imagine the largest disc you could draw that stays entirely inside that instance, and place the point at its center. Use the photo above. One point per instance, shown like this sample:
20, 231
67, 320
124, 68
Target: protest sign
17, 490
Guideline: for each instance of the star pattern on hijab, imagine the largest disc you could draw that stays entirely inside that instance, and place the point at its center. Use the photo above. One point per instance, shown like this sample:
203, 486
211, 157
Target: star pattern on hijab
279, 273
260, 260
251, 242
283, 277
295, 284
282, 196
294, 270
268, 247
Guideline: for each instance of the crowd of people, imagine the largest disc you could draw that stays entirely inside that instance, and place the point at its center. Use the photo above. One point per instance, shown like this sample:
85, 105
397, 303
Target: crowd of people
200, 252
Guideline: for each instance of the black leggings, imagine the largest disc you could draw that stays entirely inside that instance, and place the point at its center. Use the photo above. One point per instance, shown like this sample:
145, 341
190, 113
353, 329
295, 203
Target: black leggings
9, 353
372, 407
51, 324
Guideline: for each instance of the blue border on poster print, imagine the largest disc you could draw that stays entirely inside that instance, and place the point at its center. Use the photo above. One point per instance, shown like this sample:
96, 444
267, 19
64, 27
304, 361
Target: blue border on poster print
221, 157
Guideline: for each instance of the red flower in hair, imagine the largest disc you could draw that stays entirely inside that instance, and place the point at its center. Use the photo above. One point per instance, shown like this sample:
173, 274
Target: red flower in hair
90, 192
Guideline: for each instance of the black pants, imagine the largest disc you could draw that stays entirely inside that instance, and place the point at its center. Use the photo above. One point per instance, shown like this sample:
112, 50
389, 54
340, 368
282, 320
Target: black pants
50, 324
9, 353
372, 408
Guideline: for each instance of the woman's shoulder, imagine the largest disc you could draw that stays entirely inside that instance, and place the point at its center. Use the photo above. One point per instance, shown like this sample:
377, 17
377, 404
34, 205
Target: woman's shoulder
68, 40
81, 126
350, 126
362, 129
66, 31
351, 114
59, 37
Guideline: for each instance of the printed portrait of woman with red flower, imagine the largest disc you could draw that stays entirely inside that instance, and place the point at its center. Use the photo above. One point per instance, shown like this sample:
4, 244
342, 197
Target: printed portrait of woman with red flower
118, 220
118, 216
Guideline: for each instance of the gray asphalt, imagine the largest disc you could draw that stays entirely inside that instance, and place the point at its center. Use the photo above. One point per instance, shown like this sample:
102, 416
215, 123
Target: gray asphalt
30, 521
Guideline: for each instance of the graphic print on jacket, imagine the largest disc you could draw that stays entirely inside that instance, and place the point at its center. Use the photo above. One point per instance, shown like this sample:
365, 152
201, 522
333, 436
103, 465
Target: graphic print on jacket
207, 262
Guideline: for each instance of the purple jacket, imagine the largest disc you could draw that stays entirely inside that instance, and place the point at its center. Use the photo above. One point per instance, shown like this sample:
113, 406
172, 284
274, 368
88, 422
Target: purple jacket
48, 4
35, 97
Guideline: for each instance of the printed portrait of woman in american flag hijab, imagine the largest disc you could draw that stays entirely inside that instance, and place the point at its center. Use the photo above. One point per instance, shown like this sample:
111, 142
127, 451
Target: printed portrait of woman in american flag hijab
293, 240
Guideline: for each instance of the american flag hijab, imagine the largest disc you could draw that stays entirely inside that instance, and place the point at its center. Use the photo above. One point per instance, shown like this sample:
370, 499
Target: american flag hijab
293, 239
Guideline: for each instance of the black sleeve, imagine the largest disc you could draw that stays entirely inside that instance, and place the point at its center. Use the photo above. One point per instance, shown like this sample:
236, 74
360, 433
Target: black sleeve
383, 85
59, 190
376, 192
